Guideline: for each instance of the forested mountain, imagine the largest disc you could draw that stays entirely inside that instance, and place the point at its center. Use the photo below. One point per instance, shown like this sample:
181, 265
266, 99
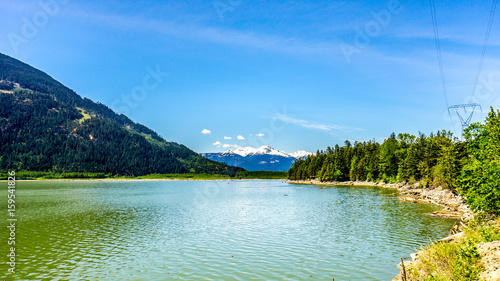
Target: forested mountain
45, 126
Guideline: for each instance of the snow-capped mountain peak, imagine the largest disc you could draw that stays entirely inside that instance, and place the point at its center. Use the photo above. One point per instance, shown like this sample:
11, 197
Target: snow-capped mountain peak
244, 151
264, 158
266, 149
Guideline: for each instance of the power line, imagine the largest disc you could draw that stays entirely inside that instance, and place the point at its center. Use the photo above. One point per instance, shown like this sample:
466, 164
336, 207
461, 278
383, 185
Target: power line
485, 44
438, 48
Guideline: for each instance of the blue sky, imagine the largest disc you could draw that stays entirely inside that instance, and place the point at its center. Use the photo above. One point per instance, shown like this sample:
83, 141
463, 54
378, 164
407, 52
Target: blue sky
295, 75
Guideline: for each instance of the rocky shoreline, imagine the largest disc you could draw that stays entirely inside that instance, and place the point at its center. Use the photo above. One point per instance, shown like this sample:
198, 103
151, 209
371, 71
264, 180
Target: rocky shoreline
453, 205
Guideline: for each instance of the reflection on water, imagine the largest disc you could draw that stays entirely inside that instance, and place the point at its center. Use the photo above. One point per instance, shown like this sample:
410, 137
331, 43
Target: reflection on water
213, 230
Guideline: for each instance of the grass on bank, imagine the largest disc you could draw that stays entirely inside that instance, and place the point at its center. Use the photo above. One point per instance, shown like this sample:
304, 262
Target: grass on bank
184, 177
270, 175
32, 175
458, 259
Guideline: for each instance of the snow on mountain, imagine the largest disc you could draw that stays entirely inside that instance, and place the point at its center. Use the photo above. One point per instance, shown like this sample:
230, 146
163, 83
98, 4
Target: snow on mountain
266, 149
242, 151
264, 158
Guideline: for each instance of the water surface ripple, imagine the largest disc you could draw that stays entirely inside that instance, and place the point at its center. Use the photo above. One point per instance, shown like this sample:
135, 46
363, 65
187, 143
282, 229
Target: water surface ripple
213, 230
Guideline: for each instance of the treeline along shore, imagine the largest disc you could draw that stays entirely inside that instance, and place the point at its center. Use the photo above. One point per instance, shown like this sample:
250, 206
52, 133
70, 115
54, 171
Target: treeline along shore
460, 175
40, 175
470, 167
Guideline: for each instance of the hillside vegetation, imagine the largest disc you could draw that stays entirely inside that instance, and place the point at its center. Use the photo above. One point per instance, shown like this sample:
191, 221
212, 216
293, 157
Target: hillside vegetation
45, 126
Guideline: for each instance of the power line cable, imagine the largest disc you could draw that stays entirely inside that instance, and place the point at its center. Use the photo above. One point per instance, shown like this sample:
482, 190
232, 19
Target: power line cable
485, 44
438, 49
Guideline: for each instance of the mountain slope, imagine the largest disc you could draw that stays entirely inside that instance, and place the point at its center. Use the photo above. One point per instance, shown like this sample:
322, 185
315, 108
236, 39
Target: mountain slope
46, 126
264, 158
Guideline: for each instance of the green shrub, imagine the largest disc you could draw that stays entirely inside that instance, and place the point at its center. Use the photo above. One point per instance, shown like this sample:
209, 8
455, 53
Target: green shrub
479, 181
458, 259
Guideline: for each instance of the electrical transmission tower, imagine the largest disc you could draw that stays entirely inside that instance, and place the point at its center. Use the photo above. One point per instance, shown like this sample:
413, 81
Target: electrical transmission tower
468, 111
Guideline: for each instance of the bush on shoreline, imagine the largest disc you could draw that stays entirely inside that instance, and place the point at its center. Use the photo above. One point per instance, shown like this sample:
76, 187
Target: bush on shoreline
458, 259
480, 178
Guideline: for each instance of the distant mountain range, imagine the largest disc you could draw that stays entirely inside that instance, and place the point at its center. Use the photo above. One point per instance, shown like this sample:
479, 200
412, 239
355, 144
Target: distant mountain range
264, 158
45, 126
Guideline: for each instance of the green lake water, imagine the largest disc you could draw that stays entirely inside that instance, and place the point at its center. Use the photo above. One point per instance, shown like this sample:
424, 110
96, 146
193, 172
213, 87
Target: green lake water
211, 230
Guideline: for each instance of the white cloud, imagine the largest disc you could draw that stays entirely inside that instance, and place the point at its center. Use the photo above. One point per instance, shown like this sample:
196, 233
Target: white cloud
227, 145
260, 135
227, 138
206, 132
209, 34
240, 137
217, 143
316, 126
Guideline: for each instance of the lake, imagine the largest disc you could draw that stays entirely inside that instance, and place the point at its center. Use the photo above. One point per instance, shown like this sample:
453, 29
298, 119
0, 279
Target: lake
212, 230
